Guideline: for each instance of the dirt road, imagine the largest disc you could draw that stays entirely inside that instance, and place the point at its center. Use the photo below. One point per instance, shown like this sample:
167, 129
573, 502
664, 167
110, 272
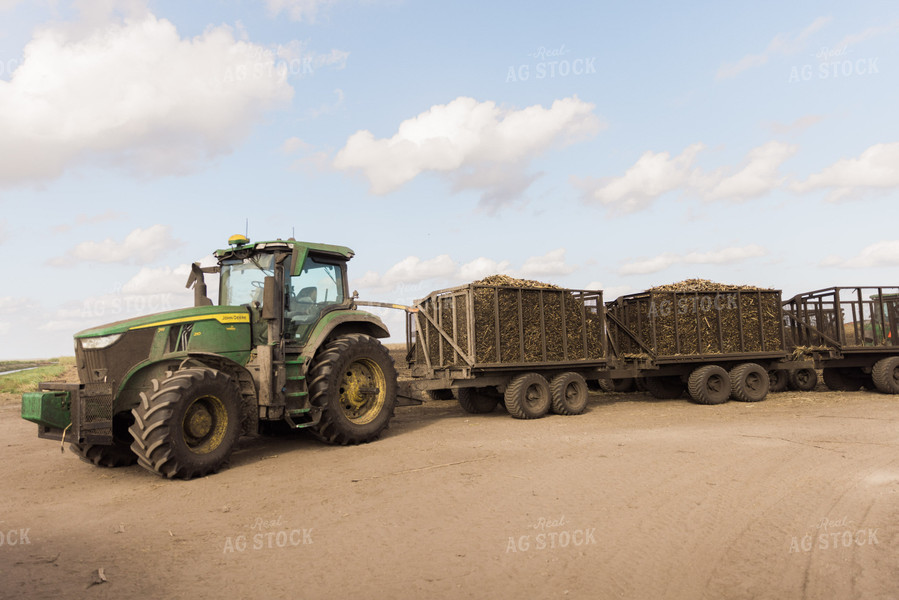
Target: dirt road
794, 497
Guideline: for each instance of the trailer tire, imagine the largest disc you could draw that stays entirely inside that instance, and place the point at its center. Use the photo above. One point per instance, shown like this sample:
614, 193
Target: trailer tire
842, 380
623, 386
443, 394
666, 387
803, 380
778, 380
749, 383
886, 375
569, 394
528, 396
188, 425
353, 384
474, 401
709, 384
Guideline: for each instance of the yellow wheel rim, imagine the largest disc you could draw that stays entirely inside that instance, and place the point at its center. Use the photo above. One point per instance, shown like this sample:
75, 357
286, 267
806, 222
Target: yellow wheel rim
363, 391
204, 424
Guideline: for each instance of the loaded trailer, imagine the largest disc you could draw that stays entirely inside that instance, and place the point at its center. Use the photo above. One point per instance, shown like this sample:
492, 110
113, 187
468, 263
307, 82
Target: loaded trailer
714, 342
851, 334
531, 348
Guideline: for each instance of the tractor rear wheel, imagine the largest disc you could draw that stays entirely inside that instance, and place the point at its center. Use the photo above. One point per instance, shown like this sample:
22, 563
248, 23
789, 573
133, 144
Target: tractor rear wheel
528, 396
709, 384
353, 384
476, 401
569, 394
188, 425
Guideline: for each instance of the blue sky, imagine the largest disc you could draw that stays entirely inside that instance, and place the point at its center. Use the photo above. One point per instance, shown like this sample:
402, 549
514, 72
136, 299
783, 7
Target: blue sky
592, 145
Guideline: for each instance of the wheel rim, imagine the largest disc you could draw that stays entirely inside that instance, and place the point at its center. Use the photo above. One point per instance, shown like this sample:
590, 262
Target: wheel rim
535, 396
753, 382
715, 383
803, 377
572, 393
363, 391
204, 424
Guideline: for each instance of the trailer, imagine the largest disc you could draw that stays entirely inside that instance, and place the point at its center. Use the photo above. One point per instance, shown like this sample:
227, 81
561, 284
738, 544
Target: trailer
531, 348
852, 334
716, 344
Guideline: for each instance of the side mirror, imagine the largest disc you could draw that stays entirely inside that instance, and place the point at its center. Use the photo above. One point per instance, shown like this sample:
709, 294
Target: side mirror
269, 299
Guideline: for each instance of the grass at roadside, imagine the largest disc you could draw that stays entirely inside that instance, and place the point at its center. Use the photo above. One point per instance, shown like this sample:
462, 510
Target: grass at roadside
26, 381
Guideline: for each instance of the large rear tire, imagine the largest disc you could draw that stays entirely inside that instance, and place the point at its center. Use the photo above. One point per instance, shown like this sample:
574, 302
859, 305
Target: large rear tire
569, 394
476, 401
528, 396
709, 384
353, 383
748, 383
886, 375
116, 455
188, 425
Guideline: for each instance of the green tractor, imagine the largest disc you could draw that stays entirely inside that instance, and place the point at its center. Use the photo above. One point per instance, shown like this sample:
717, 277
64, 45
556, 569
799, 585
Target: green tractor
174, 391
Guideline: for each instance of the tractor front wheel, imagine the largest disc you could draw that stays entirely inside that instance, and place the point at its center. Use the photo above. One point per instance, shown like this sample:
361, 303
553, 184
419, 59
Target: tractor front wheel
188, 425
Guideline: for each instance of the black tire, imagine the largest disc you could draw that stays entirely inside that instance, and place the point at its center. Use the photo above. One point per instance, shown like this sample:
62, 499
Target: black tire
116, 455
528, 396
778, 380
886, 375
444, 394
842, 380
476, 401
569, 394
803, 380
353, 383
188, 425
709, 384
623, 386
666, 387
748, 383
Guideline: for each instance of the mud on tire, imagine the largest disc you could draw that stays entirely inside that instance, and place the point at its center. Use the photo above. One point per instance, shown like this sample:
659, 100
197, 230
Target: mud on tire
709, 384
188, 424
749, 383
528, 396
569, 394
353, 383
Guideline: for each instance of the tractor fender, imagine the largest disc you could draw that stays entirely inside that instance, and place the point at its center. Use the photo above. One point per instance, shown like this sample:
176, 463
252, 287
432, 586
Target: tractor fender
343, 322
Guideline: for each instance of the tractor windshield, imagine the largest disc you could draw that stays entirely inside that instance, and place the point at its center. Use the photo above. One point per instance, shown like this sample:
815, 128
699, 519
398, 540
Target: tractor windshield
242, 280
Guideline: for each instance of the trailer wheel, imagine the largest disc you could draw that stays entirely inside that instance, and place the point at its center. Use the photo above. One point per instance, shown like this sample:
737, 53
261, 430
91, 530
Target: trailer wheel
748, 383
803, 380
443, 394
528, 396
475, 401
778, 380
886, 375
569, 394
623, 386
188, 425
666, 387
709, 384
353, 383
842, 380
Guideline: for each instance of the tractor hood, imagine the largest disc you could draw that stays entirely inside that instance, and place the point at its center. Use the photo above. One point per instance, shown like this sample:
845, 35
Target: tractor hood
222, 314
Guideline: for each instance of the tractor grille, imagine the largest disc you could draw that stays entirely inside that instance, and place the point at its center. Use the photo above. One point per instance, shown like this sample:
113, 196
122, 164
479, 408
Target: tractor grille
101, 372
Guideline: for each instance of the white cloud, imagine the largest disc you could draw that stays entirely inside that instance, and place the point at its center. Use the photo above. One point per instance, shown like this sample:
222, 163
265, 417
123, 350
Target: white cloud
663, 261
83, 219
299, 10
480, 268
134, 94
656, 174
653, 175
881, 254
141, 246
877, 168
867, 34
550, 264
758, 176
158, 280
783, 44
479, 144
